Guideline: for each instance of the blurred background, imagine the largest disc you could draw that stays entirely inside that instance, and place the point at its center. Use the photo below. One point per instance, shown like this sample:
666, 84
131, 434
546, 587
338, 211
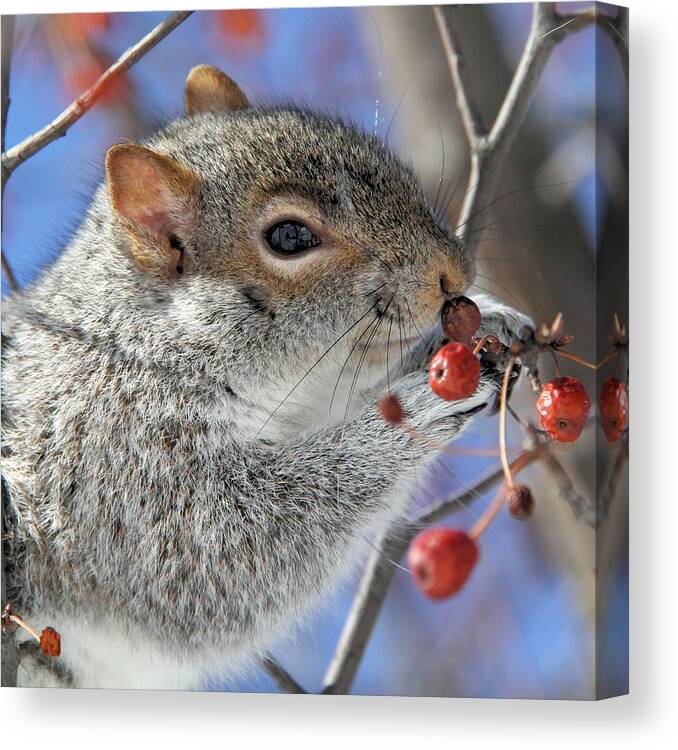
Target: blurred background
532, 618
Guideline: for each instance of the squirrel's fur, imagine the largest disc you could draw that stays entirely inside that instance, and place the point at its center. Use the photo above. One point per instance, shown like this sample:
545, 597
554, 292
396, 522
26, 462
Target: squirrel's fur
191, 447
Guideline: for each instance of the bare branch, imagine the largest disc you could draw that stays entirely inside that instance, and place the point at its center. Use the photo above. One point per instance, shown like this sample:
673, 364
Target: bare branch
9, 274
582, 509
60, 125
616, 27
470, 115
7, 43
437, 512
365, 610
285, 681
9, 650
488, 152
613, 481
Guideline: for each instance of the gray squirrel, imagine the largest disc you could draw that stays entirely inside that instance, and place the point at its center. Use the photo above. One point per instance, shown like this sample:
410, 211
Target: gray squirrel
192, 452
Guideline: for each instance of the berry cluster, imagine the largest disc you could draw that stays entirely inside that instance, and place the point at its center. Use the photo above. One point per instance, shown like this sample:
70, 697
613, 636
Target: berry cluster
442, 559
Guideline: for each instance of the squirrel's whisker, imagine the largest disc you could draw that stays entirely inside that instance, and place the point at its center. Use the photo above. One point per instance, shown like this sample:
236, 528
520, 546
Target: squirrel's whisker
388, 347
504, 287
442, 166
400, 338
374, 291
490, 291
312, 367
350, 354
236, 325
363, 356
414, 322
395, 113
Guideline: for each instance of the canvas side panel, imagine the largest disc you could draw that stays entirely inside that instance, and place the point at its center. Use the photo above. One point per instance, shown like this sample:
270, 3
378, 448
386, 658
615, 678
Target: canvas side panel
612, 287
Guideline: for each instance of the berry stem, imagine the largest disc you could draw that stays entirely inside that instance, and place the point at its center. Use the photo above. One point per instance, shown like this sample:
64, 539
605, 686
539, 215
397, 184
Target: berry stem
23, 624
489, 515
481, 343
607, 358
523, 460
525, 425
580, 360
555, 363
503, 399
585, 363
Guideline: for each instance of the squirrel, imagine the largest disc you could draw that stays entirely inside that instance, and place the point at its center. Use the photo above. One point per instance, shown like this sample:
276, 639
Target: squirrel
192, 451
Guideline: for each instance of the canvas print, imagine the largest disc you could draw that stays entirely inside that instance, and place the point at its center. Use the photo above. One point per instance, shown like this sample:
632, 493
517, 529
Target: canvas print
315, 338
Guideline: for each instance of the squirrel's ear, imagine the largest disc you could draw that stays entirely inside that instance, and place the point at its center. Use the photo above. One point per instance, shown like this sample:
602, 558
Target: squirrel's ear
208, 89
155, 198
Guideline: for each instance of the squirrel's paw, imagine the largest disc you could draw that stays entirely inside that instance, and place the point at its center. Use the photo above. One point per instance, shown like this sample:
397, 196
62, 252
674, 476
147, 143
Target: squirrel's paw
436, 418
500, 320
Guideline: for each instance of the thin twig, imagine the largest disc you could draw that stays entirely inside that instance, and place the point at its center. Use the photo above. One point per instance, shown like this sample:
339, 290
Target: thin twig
503, 402
283, 678
489, 151
7, 44
616, 27
60, 125
443, 508
470, 115
576, 358
9, 274
582, 509
612, 486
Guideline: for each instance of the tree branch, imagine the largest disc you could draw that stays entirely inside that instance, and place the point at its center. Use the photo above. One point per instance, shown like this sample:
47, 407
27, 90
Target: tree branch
612, 486
379, 573
489, 152
7, 43
60, 125
365, 609
285, 681
616, 27
582, 509
470, 115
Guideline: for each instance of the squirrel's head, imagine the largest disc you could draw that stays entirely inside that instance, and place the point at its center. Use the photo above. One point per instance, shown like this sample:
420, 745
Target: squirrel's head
282, 238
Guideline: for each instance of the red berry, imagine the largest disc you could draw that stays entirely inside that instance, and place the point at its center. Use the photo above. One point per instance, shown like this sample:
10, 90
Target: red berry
244, 25
614, 408
454, 372
90, 22
520, 501
563, 407
50, 642
441, 561
391, 410
460, 319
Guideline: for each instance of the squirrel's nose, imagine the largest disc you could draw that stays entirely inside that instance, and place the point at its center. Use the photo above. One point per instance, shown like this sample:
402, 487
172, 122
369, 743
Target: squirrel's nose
444, 285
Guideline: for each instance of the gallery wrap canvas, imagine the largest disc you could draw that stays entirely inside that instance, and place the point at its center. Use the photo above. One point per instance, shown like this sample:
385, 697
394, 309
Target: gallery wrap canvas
315, 338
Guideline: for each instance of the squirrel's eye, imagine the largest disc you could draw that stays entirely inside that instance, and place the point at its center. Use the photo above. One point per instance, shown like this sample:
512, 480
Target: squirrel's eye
290, 238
